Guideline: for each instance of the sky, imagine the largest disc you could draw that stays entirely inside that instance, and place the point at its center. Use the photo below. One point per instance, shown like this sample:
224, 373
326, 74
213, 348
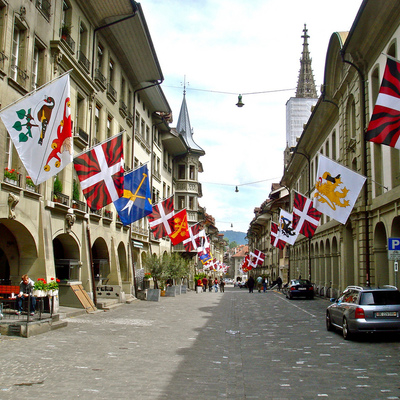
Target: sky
223, 48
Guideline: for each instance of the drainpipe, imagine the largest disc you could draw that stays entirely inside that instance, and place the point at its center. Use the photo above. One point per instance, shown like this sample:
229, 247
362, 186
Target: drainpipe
366, 217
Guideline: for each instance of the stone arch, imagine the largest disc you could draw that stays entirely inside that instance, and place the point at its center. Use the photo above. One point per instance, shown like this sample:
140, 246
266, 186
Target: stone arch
123, 262
380, 255
348, 256
66, 258
101, 262
18, 251
335, 267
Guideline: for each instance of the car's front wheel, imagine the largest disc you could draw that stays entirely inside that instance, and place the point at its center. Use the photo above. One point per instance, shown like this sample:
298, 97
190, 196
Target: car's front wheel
329, 326
345, 330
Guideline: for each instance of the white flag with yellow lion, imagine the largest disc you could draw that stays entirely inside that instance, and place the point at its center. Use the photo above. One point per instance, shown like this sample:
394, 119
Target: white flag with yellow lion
336, 189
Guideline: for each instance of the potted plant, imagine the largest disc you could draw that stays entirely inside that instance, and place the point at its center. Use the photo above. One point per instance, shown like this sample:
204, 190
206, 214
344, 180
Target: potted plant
52, 287
147, 276
40, 288
65, 31
29, 183
11, 176
75, 193
57, 188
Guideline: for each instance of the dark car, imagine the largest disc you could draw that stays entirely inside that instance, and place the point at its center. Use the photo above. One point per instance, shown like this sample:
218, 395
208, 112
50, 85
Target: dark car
365, 310
299, 288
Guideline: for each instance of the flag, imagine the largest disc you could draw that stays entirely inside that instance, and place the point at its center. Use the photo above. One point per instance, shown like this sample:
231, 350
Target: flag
193, 242
161, 213
384, 126
276, 241
286, 230
305, 216
40, 127
179, 227
135, 202
257, 258
336, 189
205, 257
101, 173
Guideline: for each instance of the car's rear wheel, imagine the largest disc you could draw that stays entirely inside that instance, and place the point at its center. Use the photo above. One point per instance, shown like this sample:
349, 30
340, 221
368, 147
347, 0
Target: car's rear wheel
345, 330
329, 326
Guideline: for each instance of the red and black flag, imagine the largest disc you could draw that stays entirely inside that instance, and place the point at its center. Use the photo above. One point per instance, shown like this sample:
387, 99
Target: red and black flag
161, 214
276, 240
384, 127
305, 216
193, 242
101, 173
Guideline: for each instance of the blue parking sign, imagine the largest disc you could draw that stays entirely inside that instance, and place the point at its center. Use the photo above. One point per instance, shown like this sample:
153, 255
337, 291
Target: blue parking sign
394, 244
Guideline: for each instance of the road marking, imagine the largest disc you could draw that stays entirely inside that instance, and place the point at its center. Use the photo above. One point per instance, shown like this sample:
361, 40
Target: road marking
294, 305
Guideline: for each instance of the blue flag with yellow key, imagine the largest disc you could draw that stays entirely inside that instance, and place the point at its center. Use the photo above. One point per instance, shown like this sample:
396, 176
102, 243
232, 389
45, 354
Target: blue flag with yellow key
136, 201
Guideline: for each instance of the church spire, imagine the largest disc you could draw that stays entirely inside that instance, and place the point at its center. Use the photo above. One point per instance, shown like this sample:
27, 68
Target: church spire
306, 84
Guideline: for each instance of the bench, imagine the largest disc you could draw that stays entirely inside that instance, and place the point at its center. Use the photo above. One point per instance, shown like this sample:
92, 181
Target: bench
6, 290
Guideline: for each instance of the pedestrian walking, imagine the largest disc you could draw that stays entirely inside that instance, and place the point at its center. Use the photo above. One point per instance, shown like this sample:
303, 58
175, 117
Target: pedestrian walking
199, 286
222, 285
264, 284
210, 284
259, 283
279, 283
216, 285
250, 284
205, 283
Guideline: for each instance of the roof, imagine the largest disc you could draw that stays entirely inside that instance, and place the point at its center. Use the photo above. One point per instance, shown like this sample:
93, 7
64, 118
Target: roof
242, 252
185, 130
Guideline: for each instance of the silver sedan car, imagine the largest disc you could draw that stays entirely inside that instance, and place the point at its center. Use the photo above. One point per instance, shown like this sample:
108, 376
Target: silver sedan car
364, 310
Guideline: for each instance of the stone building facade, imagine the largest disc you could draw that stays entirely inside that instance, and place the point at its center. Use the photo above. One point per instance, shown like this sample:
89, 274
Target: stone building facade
115, 82
356, 252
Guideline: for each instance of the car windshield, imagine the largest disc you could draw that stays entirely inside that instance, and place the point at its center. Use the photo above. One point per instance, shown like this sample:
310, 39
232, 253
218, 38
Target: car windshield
301, 282
380, 297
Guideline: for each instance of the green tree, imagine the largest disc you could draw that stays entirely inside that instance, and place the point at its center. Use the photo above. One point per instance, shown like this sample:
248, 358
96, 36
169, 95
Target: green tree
153, 264
233, 244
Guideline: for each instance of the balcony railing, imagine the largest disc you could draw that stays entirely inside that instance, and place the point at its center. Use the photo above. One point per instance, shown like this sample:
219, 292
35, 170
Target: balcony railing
69, 41
79, 205
123, 109
83, 61
100, 79
129, 119
60, 198
111, 93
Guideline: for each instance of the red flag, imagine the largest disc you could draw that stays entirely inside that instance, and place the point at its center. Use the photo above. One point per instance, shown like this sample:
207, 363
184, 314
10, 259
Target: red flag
275, 241
384, 126
179, 227
193, 242
305, 216
162, 213
257, 257
101, 173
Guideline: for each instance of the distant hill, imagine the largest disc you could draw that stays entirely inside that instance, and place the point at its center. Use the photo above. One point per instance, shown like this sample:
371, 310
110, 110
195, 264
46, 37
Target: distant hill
238, 237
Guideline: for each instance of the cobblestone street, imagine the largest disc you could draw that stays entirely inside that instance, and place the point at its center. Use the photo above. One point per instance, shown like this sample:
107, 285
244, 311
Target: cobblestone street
232, 345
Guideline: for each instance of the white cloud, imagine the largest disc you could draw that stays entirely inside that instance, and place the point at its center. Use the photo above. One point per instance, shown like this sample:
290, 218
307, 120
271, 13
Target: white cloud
239, 47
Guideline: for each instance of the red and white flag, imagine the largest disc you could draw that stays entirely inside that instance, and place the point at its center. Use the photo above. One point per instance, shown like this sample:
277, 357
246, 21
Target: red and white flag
193, 242
276, 241
305, 216
160, 216
101, 173
40, 128
257, 258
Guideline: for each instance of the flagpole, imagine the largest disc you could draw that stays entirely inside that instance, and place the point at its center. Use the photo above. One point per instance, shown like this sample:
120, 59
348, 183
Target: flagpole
36, 90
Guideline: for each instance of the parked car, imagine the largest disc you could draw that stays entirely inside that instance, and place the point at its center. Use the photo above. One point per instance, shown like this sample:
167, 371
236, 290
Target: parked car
365, 310
242, 285
299, 288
